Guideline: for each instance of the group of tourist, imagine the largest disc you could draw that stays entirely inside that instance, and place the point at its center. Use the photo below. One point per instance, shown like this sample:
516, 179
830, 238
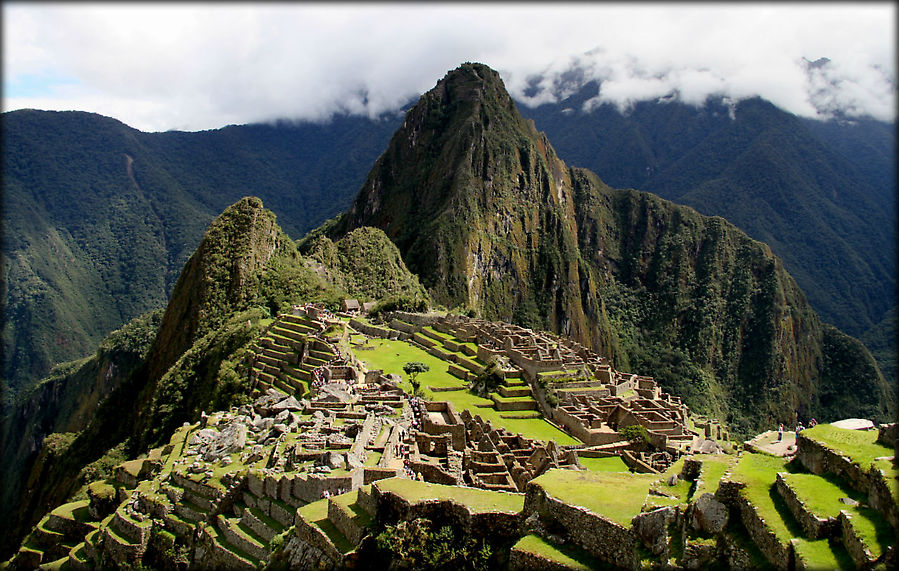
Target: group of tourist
417, 411
799, 428
410, 473
327, 493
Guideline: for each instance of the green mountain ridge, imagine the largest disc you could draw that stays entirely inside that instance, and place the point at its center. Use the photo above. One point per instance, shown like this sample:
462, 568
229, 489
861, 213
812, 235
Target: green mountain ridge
99, 218
245, 269
820, 193
491, 220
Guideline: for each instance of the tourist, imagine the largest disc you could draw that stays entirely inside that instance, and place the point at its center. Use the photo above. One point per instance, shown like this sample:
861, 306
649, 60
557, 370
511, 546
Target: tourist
780, 432
812, 423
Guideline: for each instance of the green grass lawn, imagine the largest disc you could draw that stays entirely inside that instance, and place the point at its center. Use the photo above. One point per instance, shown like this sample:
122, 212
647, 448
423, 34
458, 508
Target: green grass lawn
390, 356
821, 495
475, 499
610, 464
316, 514
713, 468
617, 496
759, 472
822, 554
859, 445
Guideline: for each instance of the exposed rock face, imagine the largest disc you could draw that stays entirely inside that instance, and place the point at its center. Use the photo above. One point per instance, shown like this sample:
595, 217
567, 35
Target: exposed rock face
708, 514
652, 529
481, 207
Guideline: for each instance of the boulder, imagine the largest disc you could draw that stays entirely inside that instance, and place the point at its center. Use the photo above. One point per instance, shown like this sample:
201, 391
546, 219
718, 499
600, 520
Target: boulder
353, 462
331, 459
708, 514
288, 404
652, 529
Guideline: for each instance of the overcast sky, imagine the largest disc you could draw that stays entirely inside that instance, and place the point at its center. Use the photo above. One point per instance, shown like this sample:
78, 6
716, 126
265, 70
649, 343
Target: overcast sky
172, 66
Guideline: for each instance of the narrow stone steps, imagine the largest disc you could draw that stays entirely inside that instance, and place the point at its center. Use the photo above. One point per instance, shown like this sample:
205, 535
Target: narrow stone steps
231, 556
242, 537
264, 525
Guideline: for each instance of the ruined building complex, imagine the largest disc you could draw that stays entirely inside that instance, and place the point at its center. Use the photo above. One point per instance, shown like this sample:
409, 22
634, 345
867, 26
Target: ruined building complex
330, 449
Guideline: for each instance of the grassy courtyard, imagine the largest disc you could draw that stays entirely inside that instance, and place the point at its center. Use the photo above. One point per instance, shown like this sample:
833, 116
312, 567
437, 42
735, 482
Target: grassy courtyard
390, 356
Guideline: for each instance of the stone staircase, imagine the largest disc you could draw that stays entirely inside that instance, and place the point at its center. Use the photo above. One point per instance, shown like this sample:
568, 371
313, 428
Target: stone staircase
333, 527
278, 356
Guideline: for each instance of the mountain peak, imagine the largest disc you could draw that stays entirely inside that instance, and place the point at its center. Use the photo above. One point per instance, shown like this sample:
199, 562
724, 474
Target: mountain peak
467, 173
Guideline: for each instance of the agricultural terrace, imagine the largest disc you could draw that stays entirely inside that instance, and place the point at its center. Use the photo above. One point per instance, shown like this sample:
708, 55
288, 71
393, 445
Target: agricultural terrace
474, 499
391, 355
860, 446
618, 496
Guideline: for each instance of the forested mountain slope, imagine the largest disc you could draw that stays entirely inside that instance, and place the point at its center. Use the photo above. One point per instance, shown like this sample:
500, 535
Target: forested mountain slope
822, 194
99, 217
493, 221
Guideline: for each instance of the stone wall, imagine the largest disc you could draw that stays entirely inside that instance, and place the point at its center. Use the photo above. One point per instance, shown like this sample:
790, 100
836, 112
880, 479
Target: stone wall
860, 553
887, 434
532, 366
492, 526
419, 319
813, 526
373, 331
778, 554
819, 459
604, 539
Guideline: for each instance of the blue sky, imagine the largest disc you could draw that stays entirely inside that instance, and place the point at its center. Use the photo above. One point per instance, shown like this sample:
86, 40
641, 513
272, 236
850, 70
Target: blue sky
199, 66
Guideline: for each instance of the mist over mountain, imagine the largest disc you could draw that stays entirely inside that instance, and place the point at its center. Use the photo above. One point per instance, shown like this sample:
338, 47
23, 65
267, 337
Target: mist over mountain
493, 221
99, 217
469, 195
821, 194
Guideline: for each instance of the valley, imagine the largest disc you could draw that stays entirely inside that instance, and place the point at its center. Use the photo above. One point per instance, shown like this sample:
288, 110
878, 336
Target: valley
490, 357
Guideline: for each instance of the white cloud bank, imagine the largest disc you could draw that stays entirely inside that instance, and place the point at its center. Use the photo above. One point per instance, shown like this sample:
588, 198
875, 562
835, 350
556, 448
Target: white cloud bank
173, 66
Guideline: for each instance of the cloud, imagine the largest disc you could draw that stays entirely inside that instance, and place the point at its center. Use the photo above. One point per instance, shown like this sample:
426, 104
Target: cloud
201, 66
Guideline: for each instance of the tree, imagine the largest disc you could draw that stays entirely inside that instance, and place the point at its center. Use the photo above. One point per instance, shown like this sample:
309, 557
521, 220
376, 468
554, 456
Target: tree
413, 368
636, 434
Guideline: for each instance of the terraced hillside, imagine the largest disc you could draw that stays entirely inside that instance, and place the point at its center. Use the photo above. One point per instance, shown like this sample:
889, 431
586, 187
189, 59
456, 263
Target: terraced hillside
279, 502
336, 463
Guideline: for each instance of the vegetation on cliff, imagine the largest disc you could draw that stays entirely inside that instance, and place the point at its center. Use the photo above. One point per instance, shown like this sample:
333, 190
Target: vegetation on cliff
188, 360
492, 220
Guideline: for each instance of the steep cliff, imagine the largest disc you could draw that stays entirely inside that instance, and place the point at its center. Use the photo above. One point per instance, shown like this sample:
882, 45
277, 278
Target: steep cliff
492, 220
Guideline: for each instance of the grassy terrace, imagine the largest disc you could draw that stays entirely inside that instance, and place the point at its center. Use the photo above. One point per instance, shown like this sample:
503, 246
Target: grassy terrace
758, 472
475, 499
823, 554
610, 464
615, 495
567, 556
713, 468
821, 495
858, 445
316, 514
390, 356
